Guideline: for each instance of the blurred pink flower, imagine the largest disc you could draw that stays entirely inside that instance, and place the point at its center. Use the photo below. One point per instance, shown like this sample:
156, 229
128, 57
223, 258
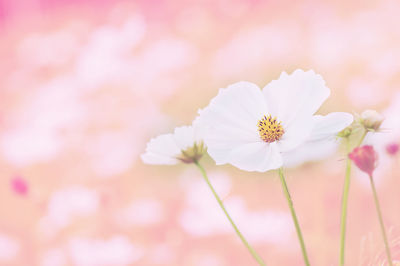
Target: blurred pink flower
19, 185
117, 250
108, 51
33, 131
252, 48
141, 212
392, 148
9, 248
365, 157
112, 153
48, 49
362, 91
67, 204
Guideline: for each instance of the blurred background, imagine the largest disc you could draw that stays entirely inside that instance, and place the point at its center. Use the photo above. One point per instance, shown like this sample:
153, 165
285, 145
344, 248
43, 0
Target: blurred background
84, 85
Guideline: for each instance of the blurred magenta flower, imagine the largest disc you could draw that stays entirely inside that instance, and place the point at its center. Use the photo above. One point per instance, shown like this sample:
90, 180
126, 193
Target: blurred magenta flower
392, 148
19, 185
365, 157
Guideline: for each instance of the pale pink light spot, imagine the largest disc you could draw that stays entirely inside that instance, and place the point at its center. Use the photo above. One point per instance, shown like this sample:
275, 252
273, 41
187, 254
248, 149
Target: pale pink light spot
54, 257
66, 205
202, 217
19, 186
117, 250
142, 212
9, 248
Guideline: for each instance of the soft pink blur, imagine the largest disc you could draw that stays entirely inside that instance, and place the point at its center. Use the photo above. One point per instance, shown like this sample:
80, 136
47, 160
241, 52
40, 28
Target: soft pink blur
85, 84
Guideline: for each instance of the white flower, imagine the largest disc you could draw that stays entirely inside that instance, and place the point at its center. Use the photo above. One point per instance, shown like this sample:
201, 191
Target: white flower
184, 145
259, 130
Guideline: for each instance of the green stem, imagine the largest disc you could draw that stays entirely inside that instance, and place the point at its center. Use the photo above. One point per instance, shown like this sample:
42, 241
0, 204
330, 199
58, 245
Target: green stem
362, 138
345, 197
293, 212
378, 209
251, 250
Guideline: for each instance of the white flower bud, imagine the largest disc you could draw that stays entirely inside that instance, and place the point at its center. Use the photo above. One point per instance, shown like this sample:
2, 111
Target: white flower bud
371, 120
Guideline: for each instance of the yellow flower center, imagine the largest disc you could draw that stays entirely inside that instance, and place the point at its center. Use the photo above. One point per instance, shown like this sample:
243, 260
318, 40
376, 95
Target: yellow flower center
270, 129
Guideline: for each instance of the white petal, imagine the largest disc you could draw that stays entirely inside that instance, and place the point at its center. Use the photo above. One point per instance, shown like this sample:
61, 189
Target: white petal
295, 96
258, 156
199, 130
310, 151
161, 150
184, 137
329, 125
321, 143
240, 105
231, 119
296, 134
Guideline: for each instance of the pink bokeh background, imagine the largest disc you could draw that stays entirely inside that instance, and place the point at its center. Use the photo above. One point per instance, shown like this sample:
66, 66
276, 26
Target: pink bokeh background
85, 84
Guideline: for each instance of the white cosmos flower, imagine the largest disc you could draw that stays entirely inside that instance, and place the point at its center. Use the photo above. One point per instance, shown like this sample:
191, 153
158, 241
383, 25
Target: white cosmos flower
184, 145
260, 130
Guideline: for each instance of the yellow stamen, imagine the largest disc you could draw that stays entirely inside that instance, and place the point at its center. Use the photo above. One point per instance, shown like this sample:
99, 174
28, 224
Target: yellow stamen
270, 129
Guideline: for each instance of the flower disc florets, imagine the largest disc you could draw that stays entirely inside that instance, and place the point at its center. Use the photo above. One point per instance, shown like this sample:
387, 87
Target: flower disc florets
270, 129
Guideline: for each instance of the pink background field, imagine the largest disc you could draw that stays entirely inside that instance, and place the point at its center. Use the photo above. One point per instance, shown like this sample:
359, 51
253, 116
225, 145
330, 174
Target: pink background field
85, 84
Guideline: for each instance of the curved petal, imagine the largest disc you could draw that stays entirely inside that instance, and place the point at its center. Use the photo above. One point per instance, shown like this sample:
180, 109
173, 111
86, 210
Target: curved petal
258, 156
240, 105
321, 143
309, 151
231, 119
161, 150
329, 125
296, 133
295, 96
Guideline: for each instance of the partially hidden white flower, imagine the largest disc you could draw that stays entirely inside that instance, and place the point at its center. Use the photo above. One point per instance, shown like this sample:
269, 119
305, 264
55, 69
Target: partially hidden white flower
184, 145
260, 130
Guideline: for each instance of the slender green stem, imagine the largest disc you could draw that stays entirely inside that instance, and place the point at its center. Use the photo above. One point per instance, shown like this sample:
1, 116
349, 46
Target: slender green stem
345, 197
362, 138
294, 216
378, 209
251, 250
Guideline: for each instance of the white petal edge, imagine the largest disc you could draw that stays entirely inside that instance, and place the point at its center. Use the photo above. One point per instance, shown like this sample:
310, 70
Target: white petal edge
230, 120
259, 156
329, 125
309, 152
322, 141
161, 150
295, 96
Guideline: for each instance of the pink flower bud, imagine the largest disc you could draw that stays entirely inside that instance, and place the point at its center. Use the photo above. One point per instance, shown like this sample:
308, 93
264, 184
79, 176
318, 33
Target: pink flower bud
365, 158
392, 148
19, 186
